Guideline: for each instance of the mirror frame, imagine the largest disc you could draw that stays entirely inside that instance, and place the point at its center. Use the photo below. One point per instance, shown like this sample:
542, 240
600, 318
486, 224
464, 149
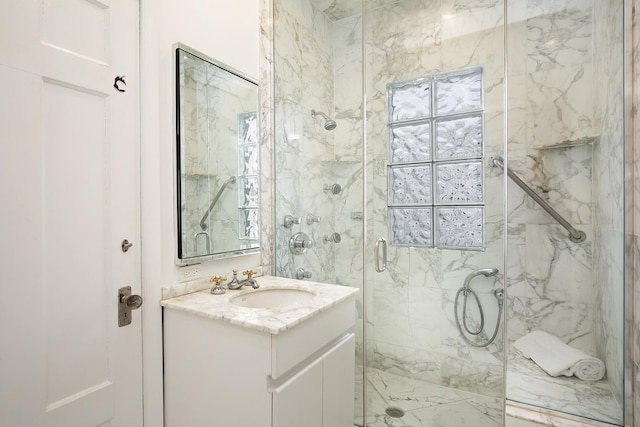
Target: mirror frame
177, 47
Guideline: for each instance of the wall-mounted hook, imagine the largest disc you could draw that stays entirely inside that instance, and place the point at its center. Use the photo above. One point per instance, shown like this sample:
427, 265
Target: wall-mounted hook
118, 81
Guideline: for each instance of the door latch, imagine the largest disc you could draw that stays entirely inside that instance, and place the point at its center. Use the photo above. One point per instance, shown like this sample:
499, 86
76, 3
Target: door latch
126, 303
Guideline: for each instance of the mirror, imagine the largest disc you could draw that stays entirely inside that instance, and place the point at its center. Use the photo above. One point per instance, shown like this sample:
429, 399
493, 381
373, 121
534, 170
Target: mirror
217, 159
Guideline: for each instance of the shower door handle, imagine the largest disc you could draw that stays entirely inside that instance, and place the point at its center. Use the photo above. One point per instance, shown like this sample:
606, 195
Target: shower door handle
381, 242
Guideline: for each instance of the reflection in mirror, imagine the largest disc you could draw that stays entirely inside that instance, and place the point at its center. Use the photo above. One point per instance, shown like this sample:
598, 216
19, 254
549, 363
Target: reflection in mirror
217, 159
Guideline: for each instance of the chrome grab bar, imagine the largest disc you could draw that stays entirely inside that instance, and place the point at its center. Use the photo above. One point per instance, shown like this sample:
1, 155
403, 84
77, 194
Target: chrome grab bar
383, 242
576, 236
203, 224
207, 242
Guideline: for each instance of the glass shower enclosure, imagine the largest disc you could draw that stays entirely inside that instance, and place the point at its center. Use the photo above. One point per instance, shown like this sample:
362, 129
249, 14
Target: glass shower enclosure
461, 163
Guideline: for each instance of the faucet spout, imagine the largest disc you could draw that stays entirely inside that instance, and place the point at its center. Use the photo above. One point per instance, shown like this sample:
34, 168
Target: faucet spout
249, 281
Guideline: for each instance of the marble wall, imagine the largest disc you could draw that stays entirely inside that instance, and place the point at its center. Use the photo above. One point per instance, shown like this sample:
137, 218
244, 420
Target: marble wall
311, 52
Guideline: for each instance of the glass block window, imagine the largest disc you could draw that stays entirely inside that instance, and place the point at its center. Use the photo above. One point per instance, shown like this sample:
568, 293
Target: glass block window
248, 179
410, 185
435, 161
411, 226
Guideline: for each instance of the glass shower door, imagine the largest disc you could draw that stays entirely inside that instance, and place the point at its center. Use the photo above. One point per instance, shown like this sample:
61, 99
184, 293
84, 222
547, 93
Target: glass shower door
434, 206
566, 142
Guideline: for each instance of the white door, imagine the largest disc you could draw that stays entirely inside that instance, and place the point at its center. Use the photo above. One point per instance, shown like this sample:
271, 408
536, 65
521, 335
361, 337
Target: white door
69, 168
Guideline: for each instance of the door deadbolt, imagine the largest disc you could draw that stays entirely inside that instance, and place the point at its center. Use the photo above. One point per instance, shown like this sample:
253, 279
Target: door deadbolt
126, 303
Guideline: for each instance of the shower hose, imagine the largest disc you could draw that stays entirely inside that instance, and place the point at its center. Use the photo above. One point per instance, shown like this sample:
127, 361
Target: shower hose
466, 291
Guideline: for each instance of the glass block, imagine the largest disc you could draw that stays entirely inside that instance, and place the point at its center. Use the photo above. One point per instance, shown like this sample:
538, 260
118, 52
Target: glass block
459, 183
409, 101
410, 143
410, 185
459, 138
457, 93
248, 128
459, 227
249, 224
248, 160
248, 192
411, 226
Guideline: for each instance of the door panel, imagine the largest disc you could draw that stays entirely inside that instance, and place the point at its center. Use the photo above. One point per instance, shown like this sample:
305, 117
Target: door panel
69, 162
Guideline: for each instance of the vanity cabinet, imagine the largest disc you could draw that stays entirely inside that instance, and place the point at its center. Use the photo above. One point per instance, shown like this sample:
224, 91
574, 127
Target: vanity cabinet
225, 375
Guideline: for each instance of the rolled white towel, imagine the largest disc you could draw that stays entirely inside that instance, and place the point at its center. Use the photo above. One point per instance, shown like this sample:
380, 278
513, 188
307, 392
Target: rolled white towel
557, 358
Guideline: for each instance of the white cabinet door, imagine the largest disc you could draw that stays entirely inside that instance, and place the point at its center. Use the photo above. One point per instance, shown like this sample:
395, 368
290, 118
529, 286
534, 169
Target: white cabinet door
298, 402
338, 388
69, 163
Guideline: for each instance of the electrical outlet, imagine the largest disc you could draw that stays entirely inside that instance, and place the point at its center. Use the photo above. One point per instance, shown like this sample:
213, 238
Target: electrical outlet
191, 272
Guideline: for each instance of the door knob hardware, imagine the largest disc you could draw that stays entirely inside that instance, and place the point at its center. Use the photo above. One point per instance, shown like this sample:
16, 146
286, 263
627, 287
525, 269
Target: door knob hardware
126, 303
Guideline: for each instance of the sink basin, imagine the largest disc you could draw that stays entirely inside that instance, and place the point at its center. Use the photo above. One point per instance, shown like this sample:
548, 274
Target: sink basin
273, 298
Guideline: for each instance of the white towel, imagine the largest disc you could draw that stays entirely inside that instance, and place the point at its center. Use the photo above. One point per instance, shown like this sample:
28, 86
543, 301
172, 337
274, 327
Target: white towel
557, 358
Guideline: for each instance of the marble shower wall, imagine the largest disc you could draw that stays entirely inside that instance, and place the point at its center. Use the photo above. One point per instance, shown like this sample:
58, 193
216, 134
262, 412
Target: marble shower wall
303, 65
414, 332
317, 66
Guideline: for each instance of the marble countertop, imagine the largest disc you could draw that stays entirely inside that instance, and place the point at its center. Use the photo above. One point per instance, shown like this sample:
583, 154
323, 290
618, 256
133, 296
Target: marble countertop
270, 320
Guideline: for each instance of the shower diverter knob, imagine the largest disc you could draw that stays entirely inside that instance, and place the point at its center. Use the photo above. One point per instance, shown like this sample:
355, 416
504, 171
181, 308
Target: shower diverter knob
299, 243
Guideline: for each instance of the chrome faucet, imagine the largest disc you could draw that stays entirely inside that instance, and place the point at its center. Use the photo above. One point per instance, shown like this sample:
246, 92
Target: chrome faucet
250, 281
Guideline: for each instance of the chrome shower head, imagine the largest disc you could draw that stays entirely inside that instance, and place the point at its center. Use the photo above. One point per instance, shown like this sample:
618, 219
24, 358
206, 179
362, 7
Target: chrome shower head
328, 123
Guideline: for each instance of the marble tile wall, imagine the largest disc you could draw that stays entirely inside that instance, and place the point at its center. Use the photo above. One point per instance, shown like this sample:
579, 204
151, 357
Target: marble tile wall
317, 67
304, 159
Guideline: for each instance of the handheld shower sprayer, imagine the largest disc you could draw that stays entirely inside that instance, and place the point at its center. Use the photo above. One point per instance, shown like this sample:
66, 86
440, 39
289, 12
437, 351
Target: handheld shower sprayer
463, 323
328, 123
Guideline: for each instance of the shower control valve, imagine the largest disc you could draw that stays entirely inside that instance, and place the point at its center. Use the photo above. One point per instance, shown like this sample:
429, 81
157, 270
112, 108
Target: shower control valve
290, 220
299, 243
311, 218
